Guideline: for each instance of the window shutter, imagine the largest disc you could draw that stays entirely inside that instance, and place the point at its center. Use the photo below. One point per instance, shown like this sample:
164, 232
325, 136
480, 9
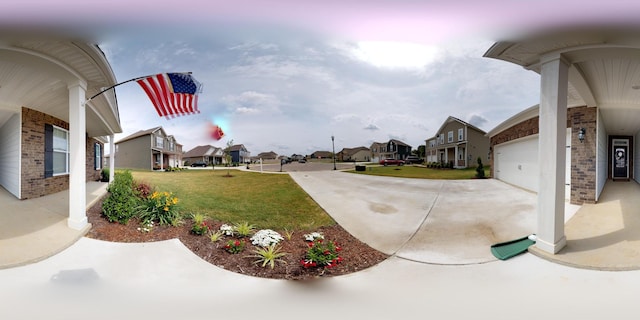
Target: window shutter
48, 150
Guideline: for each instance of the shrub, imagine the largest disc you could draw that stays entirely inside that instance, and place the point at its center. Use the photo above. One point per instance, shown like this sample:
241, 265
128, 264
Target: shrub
243, 229
265, 238
200, 226
269, 255
480, 169
234, 246
142, 189
322, 254
120, 205
104, 175
227, 230
161, 207
216, 236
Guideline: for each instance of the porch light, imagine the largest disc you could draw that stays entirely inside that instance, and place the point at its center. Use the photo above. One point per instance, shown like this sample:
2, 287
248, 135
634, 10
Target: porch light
581, 133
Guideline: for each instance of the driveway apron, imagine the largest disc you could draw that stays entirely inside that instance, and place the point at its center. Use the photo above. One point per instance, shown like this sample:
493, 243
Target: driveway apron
429, 221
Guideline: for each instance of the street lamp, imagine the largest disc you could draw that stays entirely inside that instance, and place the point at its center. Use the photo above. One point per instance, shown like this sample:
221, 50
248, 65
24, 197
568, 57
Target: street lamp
333, 146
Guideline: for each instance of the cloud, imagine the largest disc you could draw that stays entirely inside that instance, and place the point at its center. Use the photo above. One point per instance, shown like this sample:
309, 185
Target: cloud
371, 127
477, 120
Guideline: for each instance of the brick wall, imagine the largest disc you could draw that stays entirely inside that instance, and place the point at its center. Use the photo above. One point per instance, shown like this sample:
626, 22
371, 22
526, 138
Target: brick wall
583, 155
33, 182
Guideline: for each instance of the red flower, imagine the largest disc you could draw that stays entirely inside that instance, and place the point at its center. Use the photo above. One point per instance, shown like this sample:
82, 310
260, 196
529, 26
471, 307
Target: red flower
327, 252
237, 243
310, 244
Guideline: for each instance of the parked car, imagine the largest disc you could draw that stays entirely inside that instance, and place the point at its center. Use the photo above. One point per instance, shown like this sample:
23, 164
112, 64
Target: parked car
302, 160
199, 164
413, 159
397, 162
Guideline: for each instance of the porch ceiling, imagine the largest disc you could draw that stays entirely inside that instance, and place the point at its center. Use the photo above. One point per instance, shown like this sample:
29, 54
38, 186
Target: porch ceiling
36, 75
604, 70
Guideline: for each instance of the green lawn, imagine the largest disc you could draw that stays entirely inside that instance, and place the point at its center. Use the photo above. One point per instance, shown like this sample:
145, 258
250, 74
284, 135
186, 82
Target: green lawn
271, 201
421, 172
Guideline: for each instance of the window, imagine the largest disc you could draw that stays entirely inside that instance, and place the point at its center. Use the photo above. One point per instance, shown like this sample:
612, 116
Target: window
56, 151
159, 142
97, 163
460, 134
450, 136
441, 138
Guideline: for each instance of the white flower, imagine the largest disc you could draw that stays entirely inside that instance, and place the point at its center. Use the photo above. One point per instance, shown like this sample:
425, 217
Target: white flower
265, 238
313, 236
226, 229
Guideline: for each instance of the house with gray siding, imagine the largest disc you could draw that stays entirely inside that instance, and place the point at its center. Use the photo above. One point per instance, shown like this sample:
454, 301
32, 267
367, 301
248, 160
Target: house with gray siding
457, 143
151, 149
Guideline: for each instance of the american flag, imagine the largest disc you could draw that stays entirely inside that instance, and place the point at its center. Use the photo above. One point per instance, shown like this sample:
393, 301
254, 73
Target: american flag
172, 94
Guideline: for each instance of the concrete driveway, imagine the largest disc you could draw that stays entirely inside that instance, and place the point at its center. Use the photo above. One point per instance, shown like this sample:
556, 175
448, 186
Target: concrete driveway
431, 221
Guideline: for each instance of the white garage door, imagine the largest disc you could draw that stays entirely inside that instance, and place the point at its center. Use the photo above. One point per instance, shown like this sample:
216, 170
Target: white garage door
516, 162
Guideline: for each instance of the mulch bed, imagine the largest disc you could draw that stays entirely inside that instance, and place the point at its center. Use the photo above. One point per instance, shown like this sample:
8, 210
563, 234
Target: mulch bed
356, 255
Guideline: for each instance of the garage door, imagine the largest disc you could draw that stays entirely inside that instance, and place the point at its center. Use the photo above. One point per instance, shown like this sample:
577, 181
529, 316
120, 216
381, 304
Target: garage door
516, 162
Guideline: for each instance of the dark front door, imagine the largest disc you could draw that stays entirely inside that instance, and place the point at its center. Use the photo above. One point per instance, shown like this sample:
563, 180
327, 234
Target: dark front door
620, 162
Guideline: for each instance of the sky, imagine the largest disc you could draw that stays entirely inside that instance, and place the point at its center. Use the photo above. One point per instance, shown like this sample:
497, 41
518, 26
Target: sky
286, 76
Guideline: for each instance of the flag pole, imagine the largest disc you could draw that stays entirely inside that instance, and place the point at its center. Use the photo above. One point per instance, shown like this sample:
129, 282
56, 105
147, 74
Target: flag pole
117, 84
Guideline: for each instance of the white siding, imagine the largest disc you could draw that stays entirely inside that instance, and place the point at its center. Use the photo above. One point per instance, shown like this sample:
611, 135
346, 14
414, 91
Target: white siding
516, 162
10, 155
602, 157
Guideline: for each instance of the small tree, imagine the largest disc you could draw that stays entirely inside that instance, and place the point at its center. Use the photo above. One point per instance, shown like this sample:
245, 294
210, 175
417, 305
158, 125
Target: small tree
227, 155
480, 169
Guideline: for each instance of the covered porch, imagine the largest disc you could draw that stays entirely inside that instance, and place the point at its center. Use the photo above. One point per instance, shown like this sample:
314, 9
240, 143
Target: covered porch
35, 229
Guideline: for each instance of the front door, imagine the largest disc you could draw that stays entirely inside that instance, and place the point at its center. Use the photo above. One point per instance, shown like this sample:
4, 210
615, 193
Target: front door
620, 159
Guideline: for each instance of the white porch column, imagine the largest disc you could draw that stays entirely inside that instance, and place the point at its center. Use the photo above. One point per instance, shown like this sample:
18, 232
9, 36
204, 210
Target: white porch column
112, 158
77, 153
551, 153
456, 154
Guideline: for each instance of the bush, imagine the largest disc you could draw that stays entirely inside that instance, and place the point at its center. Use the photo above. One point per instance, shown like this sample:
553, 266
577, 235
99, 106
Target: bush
104, 175
200, 225
161, 207
322, 254
120, 205
480, 169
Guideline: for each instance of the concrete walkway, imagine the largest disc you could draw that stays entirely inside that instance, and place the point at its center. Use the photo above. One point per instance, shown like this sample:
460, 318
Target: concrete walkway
35, 229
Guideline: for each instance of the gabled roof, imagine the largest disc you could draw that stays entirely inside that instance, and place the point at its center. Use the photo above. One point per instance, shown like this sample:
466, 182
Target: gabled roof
267, 154
237, 147
321, 154
454, 119
141, 133
199, 151
352, 151
398, 142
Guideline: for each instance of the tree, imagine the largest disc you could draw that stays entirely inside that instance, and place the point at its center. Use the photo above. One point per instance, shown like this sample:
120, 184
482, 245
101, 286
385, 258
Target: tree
480, 169
421, 151
227, 156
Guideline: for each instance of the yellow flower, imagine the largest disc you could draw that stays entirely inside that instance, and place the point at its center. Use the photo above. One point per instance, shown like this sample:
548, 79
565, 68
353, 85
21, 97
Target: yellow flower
166, 208
175, 200
154, 195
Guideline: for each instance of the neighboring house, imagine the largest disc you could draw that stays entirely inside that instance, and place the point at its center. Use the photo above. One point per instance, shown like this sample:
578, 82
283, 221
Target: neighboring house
267, 155
458, 143
322, 155
208, 154
51, 138
392, 149
354, 154
150, 149
239, 154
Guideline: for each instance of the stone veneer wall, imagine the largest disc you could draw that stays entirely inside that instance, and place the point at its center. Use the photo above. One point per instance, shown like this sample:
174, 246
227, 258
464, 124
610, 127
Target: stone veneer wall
583, 155
34, 184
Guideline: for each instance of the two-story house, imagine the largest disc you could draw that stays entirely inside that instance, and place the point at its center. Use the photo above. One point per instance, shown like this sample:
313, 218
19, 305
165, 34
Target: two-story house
392, 149
208, 154
458, 143
150, 149
239, 154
